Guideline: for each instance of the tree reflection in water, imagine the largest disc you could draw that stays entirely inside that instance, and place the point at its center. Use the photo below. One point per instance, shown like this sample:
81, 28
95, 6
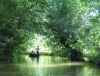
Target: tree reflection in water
46, 66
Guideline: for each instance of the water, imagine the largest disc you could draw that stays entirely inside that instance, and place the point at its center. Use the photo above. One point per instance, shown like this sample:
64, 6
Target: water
46, 66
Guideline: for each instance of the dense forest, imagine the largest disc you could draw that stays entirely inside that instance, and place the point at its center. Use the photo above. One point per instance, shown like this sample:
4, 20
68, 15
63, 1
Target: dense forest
68, 28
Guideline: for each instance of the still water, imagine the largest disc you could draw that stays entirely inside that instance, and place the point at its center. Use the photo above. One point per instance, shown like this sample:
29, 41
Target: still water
46, 66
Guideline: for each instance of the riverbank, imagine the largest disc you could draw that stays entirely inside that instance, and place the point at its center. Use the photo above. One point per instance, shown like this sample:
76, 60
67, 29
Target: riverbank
49, 54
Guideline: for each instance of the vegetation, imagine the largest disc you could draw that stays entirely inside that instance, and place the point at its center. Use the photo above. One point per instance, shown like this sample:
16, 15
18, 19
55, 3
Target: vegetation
63, 27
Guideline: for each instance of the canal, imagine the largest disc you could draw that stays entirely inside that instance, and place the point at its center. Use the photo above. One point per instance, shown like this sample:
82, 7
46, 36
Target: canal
46, 66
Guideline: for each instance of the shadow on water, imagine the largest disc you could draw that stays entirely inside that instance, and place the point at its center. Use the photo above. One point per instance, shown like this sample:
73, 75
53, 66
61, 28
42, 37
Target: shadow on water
46, 66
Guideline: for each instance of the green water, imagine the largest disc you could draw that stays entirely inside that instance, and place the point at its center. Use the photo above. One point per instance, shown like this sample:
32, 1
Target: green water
46, 66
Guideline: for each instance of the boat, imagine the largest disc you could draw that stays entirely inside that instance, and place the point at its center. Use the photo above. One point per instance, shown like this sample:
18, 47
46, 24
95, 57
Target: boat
33, 55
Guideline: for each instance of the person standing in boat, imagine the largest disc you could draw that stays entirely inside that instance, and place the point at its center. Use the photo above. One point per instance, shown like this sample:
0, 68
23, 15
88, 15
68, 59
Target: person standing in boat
37, 49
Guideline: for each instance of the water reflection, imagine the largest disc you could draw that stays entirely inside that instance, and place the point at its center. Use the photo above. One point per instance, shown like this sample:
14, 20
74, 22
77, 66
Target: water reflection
33, 59
46, 66
37, 60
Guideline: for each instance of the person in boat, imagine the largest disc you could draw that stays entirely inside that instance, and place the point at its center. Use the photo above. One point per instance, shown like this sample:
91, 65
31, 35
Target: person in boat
37, 49
32, 52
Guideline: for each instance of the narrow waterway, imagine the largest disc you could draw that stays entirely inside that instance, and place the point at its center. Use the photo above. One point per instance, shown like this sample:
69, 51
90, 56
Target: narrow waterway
46, 66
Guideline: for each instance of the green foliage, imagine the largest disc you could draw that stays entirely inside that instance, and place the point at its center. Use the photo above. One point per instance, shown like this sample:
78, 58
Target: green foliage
86, 59
21, 21
15, 24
